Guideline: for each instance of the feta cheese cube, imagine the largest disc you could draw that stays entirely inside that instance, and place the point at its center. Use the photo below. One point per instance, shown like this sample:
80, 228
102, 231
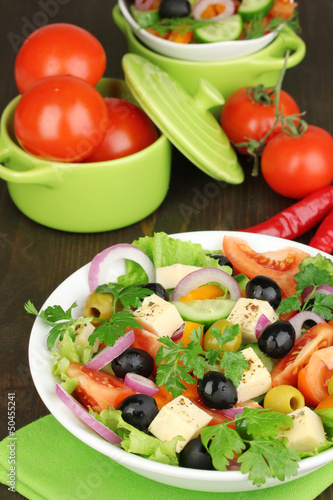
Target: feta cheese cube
158, 316
256, 380
180, 417
308, 431
170, 276
246, 314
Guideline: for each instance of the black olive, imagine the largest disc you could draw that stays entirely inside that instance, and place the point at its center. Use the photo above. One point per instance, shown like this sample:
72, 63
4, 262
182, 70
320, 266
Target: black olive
241, 428
133, 361
138, 410
195, 456
222, 260
217, 391
175, 8
158, 289
264, 288
277, 339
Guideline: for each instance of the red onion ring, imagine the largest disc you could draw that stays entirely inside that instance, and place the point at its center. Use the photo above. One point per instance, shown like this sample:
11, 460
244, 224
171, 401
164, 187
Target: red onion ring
203, 276
263, 321
109, 353
324, 289
298, 320
100, 265
202, 5
140, 384
232, 412
83, 415
143, 4
178, 333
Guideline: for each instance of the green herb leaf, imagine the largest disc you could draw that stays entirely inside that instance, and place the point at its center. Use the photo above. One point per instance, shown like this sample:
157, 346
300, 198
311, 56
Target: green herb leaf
263, 423
222, 442
268, 458
180, 24
291, 303
234, 364
229, 334
109, 331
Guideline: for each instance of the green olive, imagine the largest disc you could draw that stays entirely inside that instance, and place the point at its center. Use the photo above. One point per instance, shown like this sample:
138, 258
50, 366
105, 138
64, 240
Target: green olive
284, 398
210, 341
330, 386
98, 305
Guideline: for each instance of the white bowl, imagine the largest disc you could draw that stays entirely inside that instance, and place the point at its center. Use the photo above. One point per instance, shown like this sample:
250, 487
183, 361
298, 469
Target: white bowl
76, 288
215, 51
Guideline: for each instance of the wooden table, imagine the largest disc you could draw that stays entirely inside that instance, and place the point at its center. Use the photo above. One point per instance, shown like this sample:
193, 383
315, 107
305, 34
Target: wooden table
35, 259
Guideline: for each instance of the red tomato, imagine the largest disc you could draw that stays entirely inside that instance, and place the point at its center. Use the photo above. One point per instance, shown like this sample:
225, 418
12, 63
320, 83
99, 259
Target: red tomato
296, 166
283, 8
285, 370
60, 118
128, 131
242, 118
146, 341
280, 265
98, 389
326, 402
59, 49
314, 377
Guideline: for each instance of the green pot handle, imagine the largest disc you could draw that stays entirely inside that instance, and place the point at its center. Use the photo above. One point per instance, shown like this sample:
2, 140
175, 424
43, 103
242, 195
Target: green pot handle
45, 173
119, 19
272, 56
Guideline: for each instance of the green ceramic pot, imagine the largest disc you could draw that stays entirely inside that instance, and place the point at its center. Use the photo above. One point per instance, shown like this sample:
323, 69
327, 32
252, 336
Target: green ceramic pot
226, 76
85, 197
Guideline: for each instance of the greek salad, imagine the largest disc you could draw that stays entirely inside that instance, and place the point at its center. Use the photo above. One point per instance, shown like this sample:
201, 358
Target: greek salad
209, 360
204, 21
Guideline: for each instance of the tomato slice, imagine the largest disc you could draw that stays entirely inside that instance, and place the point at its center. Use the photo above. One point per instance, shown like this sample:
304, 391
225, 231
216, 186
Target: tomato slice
285, 370
98, 389
313, 378
147, 341
280, 265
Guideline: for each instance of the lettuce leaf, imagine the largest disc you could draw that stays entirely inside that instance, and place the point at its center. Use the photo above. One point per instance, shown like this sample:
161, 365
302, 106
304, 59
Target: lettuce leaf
136, 441
59, 368
321, 262
165, 251
76, 353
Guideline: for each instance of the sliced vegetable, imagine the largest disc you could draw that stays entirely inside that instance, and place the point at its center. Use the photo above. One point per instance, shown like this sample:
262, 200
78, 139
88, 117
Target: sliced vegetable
299, 319
204, 292
324, 289
214, 10
205, 312
143, 4
313, 378
221, 31
178, 333
285, 370
204, 276
140, 384
263, 321
254, 9
83, 415
280, 265
109, 353
101, 263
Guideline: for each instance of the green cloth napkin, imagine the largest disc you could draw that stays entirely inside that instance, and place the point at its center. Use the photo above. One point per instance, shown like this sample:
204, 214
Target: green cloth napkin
52, 464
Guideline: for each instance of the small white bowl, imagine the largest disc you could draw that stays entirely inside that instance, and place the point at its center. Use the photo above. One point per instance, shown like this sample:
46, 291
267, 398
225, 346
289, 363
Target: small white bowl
215, 51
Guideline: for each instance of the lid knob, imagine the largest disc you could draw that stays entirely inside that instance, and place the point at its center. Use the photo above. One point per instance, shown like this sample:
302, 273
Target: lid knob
207, 96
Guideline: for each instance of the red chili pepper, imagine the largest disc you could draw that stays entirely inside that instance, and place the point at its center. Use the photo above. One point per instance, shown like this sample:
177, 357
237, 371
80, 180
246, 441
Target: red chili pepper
300, 217
323, 239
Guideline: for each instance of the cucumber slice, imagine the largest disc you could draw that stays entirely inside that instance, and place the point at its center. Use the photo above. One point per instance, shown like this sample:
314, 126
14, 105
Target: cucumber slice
205, 312
254, 9
145, 18
221, 31
242, 280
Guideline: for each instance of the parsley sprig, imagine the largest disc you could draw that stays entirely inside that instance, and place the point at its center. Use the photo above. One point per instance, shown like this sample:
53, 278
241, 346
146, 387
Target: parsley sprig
107, 331
259, 27
179, 24
60, 320
178, 363
310, 276
265, 456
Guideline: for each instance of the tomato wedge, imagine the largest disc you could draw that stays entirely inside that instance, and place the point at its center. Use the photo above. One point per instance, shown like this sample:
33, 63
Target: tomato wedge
98, 389
313, 378
326, 402
147, 341
286, 369
280, 265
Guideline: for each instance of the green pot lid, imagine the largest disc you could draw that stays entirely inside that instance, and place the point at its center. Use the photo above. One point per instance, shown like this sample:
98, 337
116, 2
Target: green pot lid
184, 119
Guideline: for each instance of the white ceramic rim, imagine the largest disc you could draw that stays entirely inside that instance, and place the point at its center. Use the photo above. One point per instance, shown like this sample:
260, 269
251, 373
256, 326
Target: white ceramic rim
75, 287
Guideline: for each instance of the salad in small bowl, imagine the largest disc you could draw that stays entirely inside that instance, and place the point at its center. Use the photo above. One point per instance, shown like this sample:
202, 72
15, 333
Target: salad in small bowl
200, 360
208, 30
